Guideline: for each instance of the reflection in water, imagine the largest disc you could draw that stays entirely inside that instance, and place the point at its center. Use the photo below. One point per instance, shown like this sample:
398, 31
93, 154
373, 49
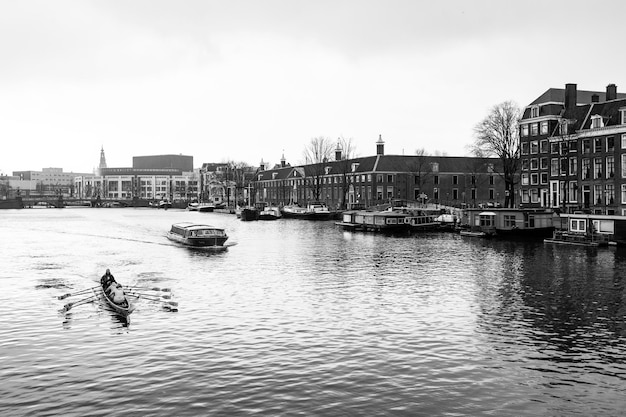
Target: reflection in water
305, 318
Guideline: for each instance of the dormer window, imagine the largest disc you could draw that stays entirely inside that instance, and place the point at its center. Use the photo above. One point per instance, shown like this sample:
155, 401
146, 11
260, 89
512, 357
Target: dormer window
534, 111
326, 170
596, 121
274, 175
354, 167
435, 166
564, 127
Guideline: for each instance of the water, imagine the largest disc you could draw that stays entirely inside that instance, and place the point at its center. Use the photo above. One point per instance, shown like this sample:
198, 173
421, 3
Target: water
302, 318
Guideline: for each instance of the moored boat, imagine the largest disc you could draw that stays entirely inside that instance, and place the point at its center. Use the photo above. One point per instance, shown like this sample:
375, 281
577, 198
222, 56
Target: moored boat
313, 211
375, 221
201, 207
197, 235
270, 213
249, 214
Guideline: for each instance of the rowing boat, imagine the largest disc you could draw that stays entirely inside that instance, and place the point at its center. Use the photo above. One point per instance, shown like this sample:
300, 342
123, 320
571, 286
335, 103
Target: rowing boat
116, 298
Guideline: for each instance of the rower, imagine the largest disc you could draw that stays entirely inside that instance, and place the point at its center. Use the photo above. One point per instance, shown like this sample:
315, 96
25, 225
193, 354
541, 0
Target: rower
107, 279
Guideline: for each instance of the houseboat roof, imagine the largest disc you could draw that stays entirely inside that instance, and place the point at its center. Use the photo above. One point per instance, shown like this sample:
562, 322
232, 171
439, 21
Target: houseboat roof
194, 226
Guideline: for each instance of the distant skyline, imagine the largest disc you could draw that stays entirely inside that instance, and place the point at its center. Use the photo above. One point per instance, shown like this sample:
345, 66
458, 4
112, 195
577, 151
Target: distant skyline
247, 80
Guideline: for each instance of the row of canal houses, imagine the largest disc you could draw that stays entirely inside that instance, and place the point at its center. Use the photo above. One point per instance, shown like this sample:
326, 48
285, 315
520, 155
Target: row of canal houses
572, 179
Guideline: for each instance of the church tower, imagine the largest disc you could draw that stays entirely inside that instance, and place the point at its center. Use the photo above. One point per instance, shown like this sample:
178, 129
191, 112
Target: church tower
103, 160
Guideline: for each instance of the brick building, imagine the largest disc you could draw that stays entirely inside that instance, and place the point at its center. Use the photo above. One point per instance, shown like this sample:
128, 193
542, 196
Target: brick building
573, 151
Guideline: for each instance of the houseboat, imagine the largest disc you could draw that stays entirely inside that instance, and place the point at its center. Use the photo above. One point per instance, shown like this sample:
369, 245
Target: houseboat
197, 235
508, 222
313, 211
589, 230
375, 221
249, 214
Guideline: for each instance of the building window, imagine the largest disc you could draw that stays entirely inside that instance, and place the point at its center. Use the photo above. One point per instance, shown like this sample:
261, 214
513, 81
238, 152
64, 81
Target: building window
610, 193
571, 188
525, 147
597, 193
544, 178
525, 130
436, 193
474, 179
534, 111
543, 163
623, 193
455, 193
597, 145
623, 114
379, 178
525, 198
435, 166
524, 179
576, 225
597, 168
586, 146
543, 146
534, 164
435, 179
509, 220
554, 167
491, 194
596, 121
389, 178
610, 166
534, 129
544, 128
491, 180
473, 193
534, 179
610, 144
525, 166
586, 174
534, 147
455, 179
573, 166
389, 192
572, 146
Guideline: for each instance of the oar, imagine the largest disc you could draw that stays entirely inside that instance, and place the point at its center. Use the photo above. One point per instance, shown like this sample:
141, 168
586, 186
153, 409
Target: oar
167, 297
90, 299
64, 296
147, 297
149, 289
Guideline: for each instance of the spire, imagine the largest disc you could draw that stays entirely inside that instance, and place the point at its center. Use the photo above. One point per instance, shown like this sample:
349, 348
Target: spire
103, 160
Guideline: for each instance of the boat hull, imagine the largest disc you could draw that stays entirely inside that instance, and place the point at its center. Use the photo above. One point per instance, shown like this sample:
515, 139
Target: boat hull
123, 309
199, 241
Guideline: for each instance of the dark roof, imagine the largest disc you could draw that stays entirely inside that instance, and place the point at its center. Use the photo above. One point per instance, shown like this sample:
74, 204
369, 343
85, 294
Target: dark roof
582, 96
609, 111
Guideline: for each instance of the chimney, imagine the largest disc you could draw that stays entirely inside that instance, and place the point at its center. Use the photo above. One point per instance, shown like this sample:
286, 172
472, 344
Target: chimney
380, 146
338, 151
570, 96
611, 92
595, 98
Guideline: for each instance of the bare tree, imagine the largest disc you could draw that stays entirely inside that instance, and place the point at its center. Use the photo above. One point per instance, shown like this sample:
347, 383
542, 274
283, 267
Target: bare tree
316, 155
498, 135
420, 167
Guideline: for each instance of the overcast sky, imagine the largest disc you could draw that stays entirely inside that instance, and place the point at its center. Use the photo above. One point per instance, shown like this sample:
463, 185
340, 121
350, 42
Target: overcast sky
249, 80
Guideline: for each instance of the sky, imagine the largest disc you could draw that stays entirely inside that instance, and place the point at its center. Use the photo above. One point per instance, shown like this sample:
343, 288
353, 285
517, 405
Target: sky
252, 80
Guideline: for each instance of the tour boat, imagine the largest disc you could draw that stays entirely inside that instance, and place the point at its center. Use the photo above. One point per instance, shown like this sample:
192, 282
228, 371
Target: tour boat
197, 235
116, 298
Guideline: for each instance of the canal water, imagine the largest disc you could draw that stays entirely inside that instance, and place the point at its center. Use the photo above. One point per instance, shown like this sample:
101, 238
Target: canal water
303, 318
